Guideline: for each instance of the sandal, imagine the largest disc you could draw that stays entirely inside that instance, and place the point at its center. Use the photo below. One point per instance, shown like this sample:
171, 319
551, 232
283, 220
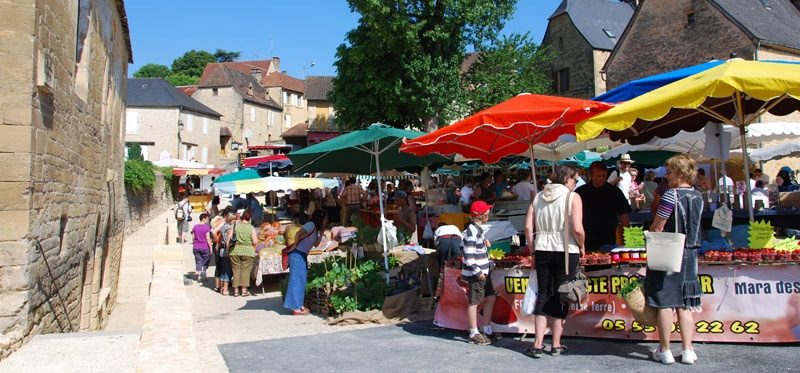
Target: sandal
535, 353
301, 312
245, 294
224, 291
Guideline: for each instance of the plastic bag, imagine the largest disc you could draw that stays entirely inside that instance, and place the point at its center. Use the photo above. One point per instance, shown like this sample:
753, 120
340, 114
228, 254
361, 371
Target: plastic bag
427, 233
391, 234
529, 302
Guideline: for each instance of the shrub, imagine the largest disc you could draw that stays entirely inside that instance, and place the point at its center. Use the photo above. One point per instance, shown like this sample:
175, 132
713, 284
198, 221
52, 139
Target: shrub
139, 175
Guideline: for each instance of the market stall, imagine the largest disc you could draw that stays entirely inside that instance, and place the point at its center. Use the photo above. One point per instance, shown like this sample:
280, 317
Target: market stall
743, 302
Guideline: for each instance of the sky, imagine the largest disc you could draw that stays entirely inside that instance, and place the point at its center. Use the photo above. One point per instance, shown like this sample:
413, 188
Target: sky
303, 33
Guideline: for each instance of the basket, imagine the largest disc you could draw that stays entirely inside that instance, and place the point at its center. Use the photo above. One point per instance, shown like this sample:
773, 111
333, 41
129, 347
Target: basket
318, 301
637, 304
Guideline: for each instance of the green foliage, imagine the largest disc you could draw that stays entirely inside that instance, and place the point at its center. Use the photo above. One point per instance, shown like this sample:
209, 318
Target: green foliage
139, 176
511, 66
192, 63
135, 152
222, 55
361, 287
367, 234
400, 65
152, 70
393, 262
179, 79
630, 287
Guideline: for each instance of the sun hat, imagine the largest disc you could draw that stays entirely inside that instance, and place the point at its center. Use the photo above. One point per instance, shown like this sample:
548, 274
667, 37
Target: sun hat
626, 158
400, 194
480, 208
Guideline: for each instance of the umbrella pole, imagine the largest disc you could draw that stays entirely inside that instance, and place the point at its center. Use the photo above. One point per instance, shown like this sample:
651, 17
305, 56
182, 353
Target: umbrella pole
533, 171
380, 204
746, 165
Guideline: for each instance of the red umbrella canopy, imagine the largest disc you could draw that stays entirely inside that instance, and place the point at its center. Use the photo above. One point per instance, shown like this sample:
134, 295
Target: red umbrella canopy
254, 161
507, 128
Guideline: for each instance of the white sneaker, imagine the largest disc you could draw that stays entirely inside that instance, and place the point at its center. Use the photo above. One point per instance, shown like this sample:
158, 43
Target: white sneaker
663, 357
688, 357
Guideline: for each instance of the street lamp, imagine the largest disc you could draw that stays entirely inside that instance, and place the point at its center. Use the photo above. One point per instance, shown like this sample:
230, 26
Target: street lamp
180, 129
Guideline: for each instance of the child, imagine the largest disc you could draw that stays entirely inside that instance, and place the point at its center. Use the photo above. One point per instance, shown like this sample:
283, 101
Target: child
475, 271
201, 247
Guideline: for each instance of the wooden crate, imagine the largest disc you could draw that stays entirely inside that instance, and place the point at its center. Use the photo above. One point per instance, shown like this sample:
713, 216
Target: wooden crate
318, 301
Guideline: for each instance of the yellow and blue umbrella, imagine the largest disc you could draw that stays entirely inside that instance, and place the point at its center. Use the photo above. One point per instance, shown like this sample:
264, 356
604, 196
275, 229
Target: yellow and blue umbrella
736, 92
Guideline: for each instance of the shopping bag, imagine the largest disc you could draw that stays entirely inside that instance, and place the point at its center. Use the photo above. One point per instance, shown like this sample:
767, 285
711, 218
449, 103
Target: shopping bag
723, 219
427, 233
391, 234
529, 302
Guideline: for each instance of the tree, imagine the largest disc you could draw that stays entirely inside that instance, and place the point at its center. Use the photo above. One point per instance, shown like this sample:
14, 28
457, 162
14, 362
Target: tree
135, 152
400, 65
180, 79
222, 55
192, 63
511, 66
152, 70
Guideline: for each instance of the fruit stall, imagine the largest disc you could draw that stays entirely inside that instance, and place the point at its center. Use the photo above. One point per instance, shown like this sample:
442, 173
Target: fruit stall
750, 295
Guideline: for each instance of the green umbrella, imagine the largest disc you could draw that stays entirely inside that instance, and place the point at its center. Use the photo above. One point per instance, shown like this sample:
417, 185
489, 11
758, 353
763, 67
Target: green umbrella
364, 151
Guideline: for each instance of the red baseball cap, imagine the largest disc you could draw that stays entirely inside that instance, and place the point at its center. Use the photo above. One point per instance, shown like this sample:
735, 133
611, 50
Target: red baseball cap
480, 208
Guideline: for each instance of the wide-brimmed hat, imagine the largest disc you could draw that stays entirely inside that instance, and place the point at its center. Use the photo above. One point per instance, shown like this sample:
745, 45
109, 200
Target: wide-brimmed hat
626, 158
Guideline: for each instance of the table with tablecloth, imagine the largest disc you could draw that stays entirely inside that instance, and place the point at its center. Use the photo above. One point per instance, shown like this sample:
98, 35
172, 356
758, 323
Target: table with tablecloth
270, 263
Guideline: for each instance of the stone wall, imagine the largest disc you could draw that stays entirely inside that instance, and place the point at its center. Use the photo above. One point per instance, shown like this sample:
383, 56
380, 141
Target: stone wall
660, 39
63, 71
143, 207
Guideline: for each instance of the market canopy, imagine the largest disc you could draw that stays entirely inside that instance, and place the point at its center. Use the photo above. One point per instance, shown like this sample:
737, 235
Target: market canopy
736, 92
180, 163
508, 128
272, 183
791, 149
276, 160
197, 171
638, 87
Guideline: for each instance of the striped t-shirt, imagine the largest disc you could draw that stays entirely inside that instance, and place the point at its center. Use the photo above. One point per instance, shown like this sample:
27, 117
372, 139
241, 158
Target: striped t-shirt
476, 254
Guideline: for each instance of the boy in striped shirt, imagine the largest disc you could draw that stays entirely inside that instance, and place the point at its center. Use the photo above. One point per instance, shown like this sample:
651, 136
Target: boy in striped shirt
475, 271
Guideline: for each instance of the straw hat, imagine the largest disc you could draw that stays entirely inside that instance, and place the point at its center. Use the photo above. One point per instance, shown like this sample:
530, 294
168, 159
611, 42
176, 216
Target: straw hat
626, 158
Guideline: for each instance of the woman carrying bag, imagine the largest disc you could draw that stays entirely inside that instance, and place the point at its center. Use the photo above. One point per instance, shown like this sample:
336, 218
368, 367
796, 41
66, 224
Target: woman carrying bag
556, 218
306, 238
677, 290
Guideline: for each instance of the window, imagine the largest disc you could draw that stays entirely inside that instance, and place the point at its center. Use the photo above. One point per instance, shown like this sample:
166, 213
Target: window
690, 19
215, 91
294, 99
252, 114
204, 155
285, 98
189, 124
560, 44
205, 126
250, 89
131, 122
288, 120
271, 120
561, 80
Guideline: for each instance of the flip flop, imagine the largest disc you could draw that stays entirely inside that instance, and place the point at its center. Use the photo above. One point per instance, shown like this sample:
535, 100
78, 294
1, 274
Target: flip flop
301, 312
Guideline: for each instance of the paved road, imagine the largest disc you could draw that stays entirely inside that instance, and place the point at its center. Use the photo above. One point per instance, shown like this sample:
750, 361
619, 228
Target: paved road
423, 347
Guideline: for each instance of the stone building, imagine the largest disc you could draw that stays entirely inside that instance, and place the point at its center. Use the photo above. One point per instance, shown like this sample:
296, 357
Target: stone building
63, 70
321, 115
664, 36
582, 34
249, 115
167, 123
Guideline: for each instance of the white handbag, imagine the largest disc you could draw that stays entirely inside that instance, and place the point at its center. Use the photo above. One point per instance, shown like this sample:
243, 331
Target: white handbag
665, 249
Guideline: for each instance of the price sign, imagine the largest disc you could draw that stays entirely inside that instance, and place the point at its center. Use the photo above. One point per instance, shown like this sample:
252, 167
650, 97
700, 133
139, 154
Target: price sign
761, 235
633, 237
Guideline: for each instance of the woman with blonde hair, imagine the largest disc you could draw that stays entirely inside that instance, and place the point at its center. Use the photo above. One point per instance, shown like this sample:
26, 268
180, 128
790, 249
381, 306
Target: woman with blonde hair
553, 209
678, 291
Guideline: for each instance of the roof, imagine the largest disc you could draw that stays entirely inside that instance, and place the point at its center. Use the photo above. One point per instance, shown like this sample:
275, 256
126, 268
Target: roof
468, 61
188, 90
245, 67
123, 20
156, 92
284, 81
220, 75
298, 130
600, 22
318, 87
773, 22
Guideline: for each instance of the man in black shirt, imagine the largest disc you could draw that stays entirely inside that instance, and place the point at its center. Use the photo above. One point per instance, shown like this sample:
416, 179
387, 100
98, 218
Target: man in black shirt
604, 208
238, 202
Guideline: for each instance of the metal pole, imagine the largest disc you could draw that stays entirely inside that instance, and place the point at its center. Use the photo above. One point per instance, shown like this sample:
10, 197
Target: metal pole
533, 171
376, 153
746, 173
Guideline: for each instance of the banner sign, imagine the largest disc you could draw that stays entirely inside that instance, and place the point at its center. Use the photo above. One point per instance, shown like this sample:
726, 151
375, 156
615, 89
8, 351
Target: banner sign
755, 304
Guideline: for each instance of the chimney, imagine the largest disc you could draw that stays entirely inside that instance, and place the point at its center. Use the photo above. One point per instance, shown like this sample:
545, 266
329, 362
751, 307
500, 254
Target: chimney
256, 74
276, 63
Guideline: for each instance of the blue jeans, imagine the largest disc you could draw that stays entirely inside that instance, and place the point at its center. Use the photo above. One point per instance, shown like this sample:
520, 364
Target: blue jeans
298, 271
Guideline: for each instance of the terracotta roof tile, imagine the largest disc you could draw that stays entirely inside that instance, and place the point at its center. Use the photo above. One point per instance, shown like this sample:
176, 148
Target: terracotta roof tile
318, 87
188, 90
219, 75
298, 130
284, 81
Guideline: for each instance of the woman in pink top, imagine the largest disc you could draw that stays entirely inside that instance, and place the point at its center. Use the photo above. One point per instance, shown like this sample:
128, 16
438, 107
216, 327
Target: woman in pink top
201, 246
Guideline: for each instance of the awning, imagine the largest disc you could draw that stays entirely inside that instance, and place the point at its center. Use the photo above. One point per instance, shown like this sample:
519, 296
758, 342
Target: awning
225, 131
197, 171
255, 161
